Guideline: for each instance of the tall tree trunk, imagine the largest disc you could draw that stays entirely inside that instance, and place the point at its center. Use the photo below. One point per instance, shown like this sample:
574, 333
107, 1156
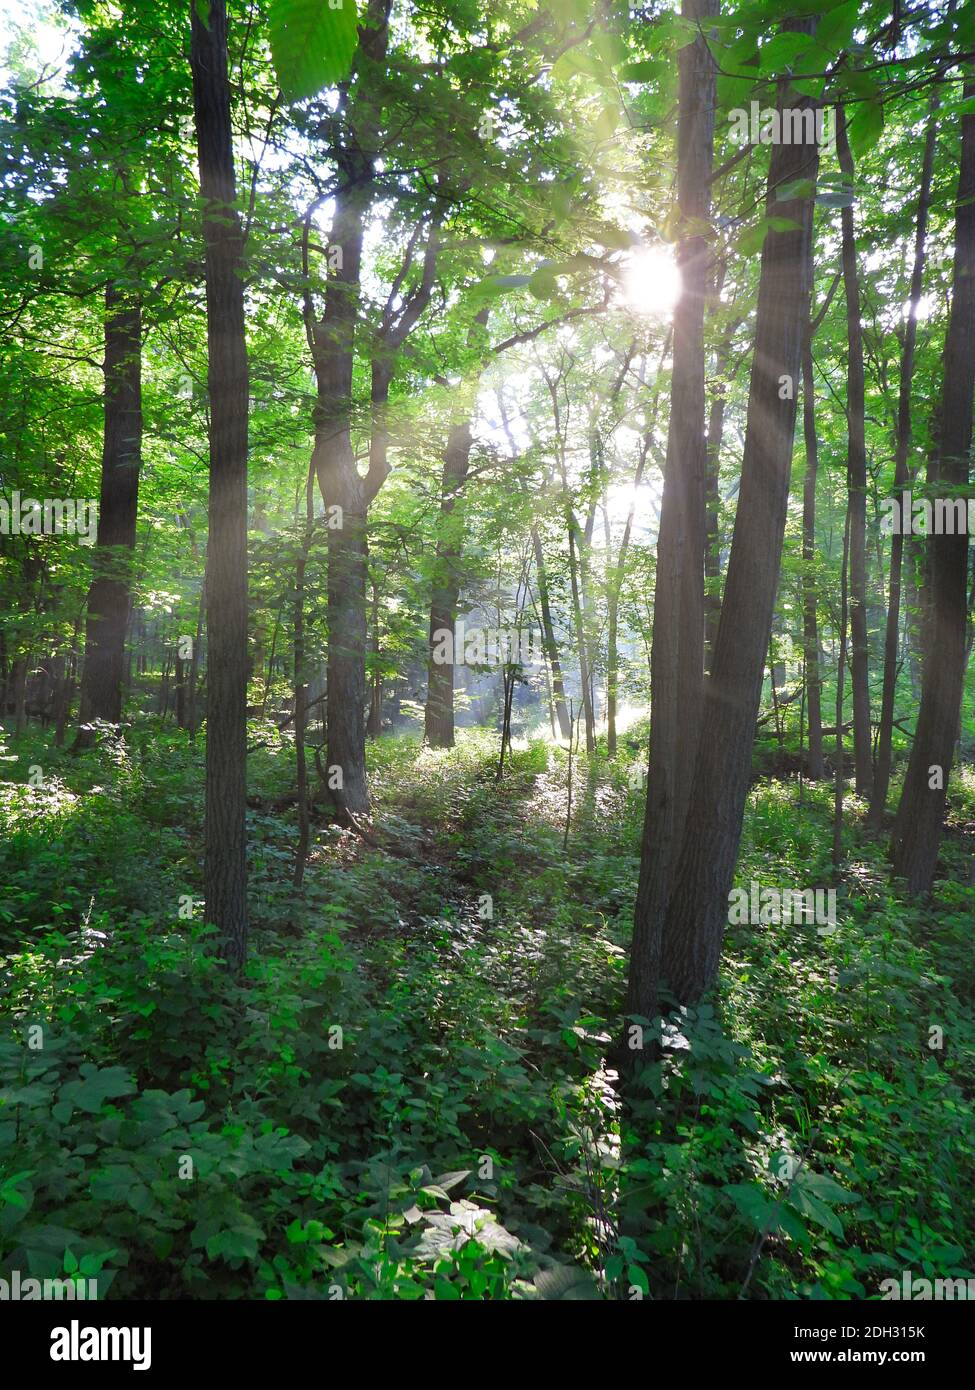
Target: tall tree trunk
918, 826
439, 711
301, 683
549, 640
677, 660
698, 906
374, 726
110, 593
857, 481
839, 770
582, 637
878, 803
815, 765
225, 850
341, 486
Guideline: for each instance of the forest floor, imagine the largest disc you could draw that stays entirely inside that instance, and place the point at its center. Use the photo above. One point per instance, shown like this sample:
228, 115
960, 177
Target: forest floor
407, 1094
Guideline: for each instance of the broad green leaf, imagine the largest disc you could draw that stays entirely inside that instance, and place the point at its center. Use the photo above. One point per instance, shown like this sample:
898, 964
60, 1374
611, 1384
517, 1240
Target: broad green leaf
312, 44
866, 126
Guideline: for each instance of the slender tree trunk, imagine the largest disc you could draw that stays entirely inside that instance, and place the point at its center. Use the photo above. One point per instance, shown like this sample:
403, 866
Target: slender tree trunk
549, 640
839, 771
920, 816
698, 905
225, 851
439, 711
582, 641
810, 624
191, 715
341, 486
301, 684
20, 668
677, 661
110, 593
857, 481
878, 804
374, 727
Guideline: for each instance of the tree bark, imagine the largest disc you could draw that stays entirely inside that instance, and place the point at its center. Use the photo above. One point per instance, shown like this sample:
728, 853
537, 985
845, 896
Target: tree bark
677, 654
815, 765
225, 850
698, 905
439, 711
857, 481
920, 816
109, 596
549, 640
878, 803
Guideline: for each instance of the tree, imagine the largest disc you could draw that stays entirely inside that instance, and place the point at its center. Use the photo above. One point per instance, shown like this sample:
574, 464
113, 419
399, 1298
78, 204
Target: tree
920, 815
696, 912
856, 478
225, 853
109, 595
677, 661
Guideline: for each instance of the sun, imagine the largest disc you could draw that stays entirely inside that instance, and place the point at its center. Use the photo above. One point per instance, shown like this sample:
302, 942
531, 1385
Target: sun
651, 282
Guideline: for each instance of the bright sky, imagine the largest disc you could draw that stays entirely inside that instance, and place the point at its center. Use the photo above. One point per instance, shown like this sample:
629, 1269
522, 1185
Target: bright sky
48, 30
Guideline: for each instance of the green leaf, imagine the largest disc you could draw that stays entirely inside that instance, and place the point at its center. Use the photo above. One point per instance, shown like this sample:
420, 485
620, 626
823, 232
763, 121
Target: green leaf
819, 1212
835, 31
798, 188
866, 126
752, 1202
97, 1086
781, 52
646, 70
312, 44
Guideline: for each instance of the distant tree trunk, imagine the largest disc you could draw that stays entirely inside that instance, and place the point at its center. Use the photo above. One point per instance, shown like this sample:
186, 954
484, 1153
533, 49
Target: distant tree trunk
225, 850
439, 712
857, 481
677, 661
191, 715
19, 678
374, 727
918, 825
66, 689
301, 684
698, 905
618, 570
179, 686
878, 804
582, 640
549, 640
110, 593
839, 771
815, 765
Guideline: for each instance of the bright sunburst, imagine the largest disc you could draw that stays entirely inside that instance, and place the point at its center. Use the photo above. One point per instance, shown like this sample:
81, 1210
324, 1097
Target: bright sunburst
651, 282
